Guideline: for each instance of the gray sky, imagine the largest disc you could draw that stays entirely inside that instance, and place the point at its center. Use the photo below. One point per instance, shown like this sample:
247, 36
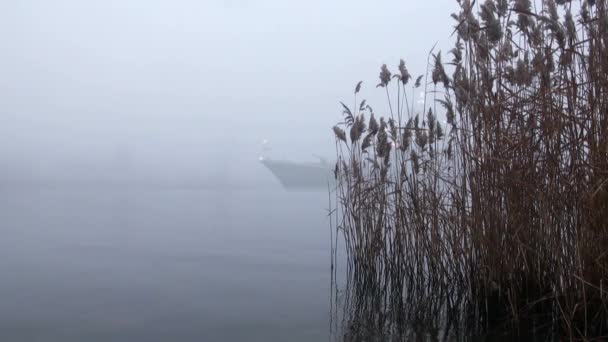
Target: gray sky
188, 88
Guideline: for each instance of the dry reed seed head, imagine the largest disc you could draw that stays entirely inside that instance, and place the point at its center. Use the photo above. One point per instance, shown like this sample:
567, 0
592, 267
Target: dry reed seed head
505, 53
491, 23
494, 32
367, 142
585, 12
363, 105
340, 134
418, 81
473, 26
349, 119
502, 7
488, 9
439, 74
485, 73
382, 125
457, 52
421, 139
466, 5
536, 36
438, 132
457, 75
483, 47
538, 63
382, 143
462, 92
552, 10
407, 133
522, 7
385, 76
570, 26
357, 128
446, 103
393, 128
552, 21
405, 141
387, 155
467, 24
373, 125
405, 75
358, 87
461, 26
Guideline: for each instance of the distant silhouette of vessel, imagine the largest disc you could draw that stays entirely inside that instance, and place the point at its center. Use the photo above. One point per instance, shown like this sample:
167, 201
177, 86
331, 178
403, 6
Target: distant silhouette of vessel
294, 175
300, 175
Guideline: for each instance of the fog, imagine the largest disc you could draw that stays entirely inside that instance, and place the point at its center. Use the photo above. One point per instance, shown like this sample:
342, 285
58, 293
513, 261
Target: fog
133, 203
185, 91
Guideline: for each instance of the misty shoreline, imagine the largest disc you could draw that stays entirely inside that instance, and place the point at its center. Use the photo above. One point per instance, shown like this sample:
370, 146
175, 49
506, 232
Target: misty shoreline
51, 184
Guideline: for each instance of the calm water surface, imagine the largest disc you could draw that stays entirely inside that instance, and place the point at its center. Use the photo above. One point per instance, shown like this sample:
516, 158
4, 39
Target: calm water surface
163, 264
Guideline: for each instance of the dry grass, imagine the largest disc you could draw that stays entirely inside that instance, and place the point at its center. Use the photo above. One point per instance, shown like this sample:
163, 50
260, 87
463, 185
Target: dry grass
502, 212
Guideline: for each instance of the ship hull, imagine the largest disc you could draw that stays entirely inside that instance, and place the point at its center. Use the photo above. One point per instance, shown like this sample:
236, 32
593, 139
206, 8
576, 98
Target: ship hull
300, 175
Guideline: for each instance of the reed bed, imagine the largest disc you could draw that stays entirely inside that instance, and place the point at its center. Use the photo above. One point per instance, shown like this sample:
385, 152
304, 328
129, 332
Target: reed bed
499, 213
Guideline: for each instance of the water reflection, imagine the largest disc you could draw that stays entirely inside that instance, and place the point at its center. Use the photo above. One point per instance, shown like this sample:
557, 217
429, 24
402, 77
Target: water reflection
366, 306
366, 309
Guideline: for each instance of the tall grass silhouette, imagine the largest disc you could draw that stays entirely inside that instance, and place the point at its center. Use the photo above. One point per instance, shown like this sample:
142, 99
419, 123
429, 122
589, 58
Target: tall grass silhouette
500, 212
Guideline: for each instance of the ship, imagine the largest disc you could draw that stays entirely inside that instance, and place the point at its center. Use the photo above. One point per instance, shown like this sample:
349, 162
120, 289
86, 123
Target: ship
300, 175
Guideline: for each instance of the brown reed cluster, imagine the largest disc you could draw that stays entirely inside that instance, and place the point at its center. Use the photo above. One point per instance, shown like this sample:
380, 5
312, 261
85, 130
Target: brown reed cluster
500, 211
